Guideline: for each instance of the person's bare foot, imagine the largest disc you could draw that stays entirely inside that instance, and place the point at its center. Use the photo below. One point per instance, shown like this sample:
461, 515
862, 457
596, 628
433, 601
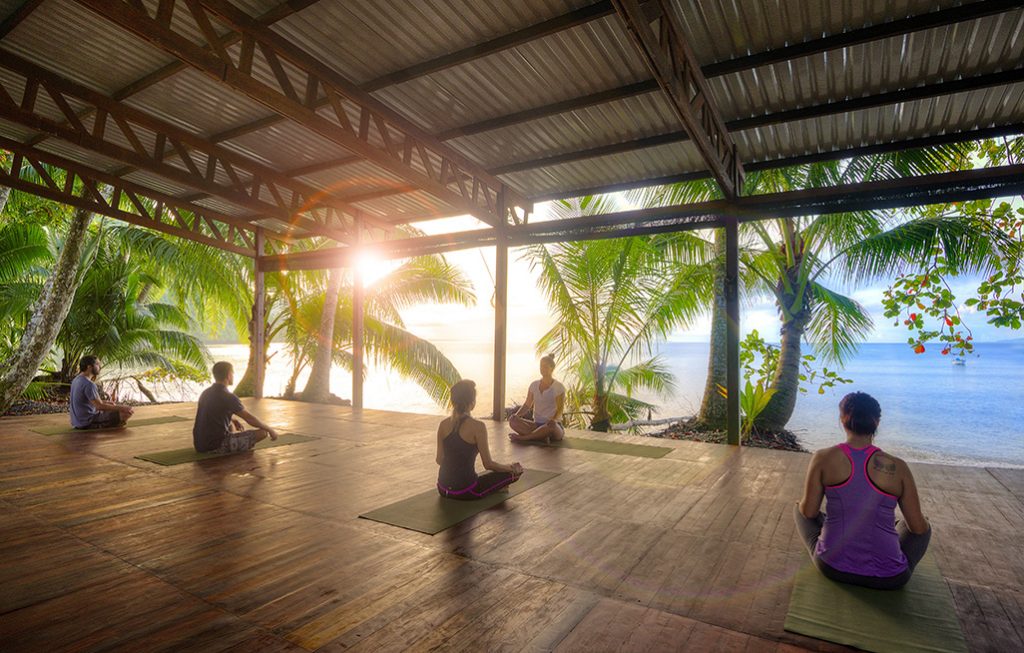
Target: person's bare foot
514, 437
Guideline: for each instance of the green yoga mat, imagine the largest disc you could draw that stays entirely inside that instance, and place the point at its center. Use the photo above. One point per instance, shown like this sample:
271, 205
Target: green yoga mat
67, 430
919, 617
179, 456
603, 446
430, 513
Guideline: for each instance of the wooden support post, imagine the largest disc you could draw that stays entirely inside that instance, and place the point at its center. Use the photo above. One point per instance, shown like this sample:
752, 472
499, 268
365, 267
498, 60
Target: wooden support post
357, 324
732, 340
259, 318
500, 311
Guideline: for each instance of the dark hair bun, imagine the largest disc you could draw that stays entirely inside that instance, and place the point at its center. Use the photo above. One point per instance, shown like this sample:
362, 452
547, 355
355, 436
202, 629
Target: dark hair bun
860, 412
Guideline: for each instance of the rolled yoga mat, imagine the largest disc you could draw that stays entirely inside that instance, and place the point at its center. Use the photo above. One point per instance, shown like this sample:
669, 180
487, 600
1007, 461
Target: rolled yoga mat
179, 456
430, 513
67, 430
920, 616
603, 446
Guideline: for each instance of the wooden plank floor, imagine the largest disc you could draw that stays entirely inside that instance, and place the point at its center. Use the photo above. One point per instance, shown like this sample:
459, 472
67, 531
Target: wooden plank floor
265, 552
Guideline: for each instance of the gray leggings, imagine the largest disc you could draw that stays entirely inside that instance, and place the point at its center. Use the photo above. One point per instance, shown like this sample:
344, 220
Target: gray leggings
912, 544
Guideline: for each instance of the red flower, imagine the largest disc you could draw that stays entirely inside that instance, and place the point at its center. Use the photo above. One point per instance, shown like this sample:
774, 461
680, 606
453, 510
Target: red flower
919, 349
949, 321
913, 317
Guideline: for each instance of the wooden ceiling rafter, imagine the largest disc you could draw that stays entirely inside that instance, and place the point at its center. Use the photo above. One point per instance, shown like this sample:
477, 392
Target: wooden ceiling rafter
828, 43
667, 53
117, 198
963, 185
376, 133
999, 131
251, 185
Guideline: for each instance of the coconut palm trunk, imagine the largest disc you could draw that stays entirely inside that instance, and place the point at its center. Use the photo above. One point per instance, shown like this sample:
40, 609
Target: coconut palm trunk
786, 381
318, 387
713, 405
48, 313
246, 386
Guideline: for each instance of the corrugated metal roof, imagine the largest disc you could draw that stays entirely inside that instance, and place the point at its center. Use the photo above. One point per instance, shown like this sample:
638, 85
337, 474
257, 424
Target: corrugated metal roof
612, 122
972, 110
925, 57
365, 39
720, 30
588, 58
68, 39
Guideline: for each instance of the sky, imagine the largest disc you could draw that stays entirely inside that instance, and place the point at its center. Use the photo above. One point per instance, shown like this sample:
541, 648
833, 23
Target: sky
529, 319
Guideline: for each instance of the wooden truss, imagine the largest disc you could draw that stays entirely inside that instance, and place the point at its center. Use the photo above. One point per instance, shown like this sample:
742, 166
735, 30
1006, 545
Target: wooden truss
281, 76
77, 185
914, 191
123, 133
678, 73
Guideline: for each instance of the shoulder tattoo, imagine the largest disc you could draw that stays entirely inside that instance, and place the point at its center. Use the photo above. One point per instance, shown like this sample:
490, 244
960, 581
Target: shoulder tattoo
884, 465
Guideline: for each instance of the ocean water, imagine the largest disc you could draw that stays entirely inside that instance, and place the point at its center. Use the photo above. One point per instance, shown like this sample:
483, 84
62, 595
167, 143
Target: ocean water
932, 411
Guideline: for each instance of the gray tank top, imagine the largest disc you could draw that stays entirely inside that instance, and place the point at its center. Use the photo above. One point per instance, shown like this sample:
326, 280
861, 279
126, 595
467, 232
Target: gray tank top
458, 469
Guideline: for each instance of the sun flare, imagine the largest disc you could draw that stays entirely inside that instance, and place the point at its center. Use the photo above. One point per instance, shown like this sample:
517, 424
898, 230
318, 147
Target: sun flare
372, 267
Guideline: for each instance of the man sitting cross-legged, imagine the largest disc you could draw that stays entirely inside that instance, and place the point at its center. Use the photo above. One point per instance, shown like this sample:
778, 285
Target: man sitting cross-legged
86, 409
216, 428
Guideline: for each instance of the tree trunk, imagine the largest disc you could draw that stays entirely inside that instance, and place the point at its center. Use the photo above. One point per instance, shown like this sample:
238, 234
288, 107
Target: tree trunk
5, 191
601, 419
713, 406
318, 387
786, 381
48, 313
144, 390
246, 386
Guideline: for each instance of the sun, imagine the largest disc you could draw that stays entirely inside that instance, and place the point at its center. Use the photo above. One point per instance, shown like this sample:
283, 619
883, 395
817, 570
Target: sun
372, 267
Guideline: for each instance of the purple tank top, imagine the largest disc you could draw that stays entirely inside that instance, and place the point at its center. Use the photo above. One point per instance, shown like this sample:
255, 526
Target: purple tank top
859, 534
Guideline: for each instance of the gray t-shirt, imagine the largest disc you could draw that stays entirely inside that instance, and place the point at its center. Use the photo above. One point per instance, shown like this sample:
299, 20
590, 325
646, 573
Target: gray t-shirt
83, 392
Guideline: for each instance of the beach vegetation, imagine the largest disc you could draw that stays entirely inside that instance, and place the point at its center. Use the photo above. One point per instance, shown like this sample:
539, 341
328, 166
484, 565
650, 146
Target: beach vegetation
613, 301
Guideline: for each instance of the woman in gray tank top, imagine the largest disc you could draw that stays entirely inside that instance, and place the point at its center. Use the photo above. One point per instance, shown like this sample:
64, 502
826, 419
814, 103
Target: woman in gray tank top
460, 438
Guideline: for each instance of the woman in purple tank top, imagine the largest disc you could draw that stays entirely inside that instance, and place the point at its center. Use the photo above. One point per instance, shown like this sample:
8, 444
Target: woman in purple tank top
858, 540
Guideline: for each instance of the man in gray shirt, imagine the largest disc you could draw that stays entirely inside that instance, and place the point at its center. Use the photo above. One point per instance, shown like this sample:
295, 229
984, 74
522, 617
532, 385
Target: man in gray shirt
87, 410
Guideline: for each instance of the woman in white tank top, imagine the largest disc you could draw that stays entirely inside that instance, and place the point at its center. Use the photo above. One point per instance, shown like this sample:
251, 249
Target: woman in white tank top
546, 398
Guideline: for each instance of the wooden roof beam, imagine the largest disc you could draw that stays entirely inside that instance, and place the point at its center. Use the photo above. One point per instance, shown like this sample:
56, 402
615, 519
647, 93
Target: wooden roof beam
881, 31
774, 164
360, 123
964, 185
466, 55
18, 16
280, 12
677, 70
927, 91
114, 197
118, 131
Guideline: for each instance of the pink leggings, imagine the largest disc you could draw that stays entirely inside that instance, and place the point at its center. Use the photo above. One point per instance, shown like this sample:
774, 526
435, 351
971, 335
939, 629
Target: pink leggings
489, 483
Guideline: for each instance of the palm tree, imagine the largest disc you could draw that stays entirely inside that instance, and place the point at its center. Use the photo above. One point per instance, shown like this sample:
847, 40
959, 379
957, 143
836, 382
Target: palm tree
122, 314
54, 297
790, 259
613, 300
427, 279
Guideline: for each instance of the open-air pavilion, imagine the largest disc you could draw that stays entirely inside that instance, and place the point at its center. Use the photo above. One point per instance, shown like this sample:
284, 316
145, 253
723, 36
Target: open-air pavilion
251, 125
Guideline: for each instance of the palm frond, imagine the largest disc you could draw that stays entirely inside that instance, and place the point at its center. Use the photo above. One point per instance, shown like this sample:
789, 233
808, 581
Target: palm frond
839, 324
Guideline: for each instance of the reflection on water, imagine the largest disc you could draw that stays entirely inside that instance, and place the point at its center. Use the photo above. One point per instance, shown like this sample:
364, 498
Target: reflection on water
931, 409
